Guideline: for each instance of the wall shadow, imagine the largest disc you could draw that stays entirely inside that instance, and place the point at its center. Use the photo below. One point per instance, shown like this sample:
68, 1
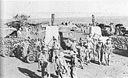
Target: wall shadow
121, 52
32, 74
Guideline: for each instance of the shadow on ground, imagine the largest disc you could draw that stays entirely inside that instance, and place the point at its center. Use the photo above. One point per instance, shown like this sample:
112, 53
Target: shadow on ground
29, 73
95, 62
32, 74
121, 52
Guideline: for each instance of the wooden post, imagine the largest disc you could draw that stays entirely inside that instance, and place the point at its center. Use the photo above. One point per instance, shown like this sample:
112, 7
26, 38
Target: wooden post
52, 19
93, 20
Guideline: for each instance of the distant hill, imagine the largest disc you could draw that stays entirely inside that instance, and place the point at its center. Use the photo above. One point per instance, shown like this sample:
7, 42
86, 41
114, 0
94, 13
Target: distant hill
100, 19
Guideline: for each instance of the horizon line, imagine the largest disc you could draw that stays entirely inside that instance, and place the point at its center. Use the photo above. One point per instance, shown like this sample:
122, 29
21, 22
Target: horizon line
67, 17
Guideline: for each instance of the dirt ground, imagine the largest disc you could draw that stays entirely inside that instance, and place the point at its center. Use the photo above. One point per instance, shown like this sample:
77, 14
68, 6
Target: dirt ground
12, 67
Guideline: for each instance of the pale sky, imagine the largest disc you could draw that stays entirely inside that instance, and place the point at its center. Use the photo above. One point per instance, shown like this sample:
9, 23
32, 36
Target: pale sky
64, 8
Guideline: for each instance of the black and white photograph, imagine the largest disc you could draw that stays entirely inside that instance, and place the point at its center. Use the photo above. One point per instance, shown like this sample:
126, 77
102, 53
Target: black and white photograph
64, 39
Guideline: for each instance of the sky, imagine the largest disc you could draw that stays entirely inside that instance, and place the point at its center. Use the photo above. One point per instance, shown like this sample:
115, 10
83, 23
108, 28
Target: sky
64, 8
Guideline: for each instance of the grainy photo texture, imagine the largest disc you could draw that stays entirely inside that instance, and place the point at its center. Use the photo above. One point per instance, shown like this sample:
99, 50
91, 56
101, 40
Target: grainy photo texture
64, 39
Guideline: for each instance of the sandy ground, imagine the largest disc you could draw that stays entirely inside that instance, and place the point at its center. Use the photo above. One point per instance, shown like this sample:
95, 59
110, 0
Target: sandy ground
15, 68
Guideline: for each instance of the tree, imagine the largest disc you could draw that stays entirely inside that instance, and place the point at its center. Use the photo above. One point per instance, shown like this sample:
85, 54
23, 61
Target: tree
21, 17
19, 21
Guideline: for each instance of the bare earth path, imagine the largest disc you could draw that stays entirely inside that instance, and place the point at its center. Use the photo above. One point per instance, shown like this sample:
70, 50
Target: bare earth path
15, 68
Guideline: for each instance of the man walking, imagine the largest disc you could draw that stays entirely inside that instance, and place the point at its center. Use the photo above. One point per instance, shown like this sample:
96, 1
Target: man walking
43, 62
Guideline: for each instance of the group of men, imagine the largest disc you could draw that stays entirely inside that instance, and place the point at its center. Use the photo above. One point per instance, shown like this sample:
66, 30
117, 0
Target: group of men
81, 52
55, 56
90, 48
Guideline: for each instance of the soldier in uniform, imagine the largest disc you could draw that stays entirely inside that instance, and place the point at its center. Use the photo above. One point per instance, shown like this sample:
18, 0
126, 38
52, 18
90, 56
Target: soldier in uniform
107, 51
80, 41
90, 48
82, 53
38, 44
99, 49
43, 60
62, 67
74, 46
86, 51
39, 52
42, 44
73, 67
55, 47
25, 45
